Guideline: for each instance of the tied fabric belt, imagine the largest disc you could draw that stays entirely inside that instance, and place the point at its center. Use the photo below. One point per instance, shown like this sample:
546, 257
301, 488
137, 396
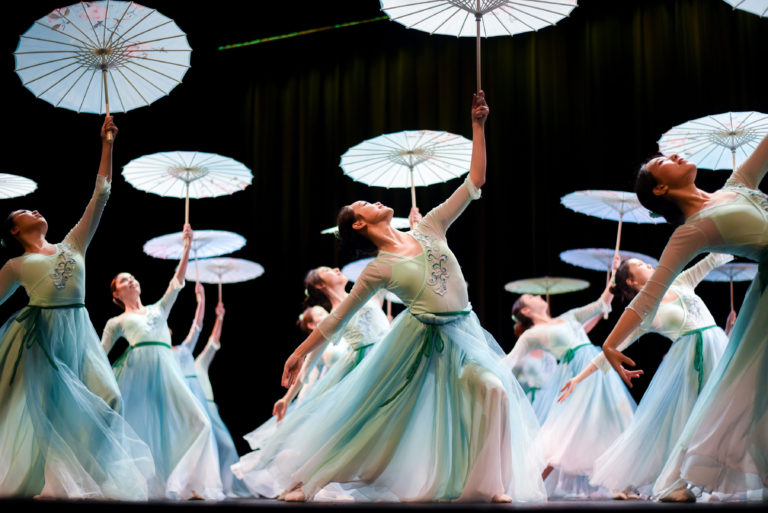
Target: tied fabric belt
698, 355
120, 362
31, 314
360, 353
569, 354
431, 343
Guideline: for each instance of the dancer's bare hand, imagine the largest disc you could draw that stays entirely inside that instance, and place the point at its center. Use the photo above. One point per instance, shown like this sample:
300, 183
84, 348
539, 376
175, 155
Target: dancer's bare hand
291, 370
199, 292
568, 389
616, 359
108, 126
414, 217
279, 409
220, 311
187, 234
729, 322
479, 108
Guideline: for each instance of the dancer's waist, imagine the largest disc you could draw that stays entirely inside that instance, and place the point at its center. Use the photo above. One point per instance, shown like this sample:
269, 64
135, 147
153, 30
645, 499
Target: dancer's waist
442, 317
148, 343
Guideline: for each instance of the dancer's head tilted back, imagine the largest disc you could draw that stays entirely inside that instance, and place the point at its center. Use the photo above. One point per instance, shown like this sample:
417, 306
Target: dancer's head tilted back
124, 287
524, 309
20, 228
310, 318
630, 278
321, 283
659, 180
354, 222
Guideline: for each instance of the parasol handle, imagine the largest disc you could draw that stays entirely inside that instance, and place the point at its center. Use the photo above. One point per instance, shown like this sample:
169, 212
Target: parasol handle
732, 294
110, 137
733, 157
413, 190
220, 294
389, 308
186, 206
548, 303
478, 18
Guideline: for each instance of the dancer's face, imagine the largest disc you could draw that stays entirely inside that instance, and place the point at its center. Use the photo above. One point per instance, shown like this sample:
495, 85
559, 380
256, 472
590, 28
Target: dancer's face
534, 304
639, 273
672, 171
370, 213
126, 287
331, 277
25, 221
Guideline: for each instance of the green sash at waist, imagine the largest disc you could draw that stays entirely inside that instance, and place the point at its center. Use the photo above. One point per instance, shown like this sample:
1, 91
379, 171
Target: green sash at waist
31, 314
431, 343
569, 354
120, 362
698, 355
360, 353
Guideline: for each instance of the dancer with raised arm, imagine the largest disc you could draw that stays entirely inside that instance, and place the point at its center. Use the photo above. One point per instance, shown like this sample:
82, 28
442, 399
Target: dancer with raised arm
61, 432
724, 443
158, 403
635, 458
574, 434
432, 413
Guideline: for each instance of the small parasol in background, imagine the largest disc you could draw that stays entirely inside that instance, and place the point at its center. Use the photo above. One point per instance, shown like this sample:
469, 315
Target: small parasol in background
733, 271
546, 286
223, 270
14, 186
759, 7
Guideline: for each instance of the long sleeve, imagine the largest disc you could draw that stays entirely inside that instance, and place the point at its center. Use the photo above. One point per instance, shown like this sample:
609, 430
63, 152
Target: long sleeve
686, 242
112, 332
192, 337
587, 312
442, 216
531, 339
692, 276
169, 298
205, 357
9, 281
602, 363
753, 170
371, 280
82, 233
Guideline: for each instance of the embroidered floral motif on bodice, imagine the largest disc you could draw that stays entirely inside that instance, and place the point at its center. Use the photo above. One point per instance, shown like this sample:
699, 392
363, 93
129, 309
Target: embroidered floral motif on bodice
436, 261
695, 307
65, 265
756, 195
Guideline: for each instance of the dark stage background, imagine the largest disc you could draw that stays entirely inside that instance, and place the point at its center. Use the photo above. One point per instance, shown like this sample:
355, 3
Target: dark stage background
575, 106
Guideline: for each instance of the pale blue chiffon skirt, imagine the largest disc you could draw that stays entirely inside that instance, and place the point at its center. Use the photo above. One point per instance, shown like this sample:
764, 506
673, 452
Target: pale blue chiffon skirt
61, 434
638, 455
724, 445
432, 413
166, 415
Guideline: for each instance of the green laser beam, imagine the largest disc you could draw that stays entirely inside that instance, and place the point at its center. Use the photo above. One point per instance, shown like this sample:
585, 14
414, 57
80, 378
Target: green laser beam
301, 33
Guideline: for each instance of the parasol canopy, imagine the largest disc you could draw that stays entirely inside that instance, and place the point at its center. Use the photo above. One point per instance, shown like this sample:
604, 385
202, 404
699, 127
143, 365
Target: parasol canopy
601, 259
546, 286
222, 270
13, 186
205, 244
731, 272
759, 7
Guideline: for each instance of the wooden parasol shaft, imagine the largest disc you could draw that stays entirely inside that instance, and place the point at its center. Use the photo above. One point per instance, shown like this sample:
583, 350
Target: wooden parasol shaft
389, 308
732, 294
733, 157
220, 294
186, 207
478, 18
413, 190
110, 137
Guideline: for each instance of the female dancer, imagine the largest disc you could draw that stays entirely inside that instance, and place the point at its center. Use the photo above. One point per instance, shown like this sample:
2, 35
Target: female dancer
635, 458
431, 413
574, 434
158, 403
61, 433
723, 445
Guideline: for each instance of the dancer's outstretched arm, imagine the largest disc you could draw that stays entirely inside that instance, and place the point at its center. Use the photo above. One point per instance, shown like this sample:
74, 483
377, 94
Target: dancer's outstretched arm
197, 324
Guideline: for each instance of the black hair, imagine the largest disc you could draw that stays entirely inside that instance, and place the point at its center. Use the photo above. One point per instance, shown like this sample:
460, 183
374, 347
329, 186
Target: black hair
621, 290
352, 241
315, 296
8, 242
522, 321
113, 289
304, 319
645, 182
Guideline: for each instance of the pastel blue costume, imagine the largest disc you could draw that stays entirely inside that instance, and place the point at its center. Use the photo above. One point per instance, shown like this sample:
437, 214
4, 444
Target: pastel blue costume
724, 445
61, 433
574, 433
636, 457
431, 413
225, 446
160, 406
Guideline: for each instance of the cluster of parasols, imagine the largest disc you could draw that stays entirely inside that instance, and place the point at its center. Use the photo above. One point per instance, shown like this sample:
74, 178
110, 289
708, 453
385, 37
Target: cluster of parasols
82, 56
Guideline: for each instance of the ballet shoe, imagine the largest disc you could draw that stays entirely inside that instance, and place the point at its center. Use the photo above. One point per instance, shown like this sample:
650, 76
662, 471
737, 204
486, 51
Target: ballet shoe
679, 495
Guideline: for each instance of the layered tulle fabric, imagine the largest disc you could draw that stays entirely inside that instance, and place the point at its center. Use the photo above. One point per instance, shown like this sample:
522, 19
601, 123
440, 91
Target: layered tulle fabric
61, 434
580, 429
638, 455
430, 414
166, 415
723, 445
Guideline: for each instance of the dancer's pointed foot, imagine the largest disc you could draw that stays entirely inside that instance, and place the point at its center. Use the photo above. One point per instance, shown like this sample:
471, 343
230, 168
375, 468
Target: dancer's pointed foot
501, 497
296, 495
679, 495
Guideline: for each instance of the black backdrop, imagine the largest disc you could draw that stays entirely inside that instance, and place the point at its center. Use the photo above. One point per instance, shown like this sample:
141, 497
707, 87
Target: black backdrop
575, 106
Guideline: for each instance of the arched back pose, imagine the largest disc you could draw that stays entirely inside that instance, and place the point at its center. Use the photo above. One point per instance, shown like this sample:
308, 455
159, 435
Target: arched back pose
723, 445
61, 433
635, 459
158, 403
572, 435
431, 413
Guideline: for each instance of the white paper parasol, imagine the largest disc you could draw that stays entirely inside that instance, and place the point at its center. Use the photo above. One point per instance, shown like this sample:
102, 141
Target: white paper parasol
13, 186
734, 271
187, 174
477, 18
614, 205
412, 158
82, 56
546, 286
398, 223
601, 259
225, 270
205, 244
721, 141
759, 7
